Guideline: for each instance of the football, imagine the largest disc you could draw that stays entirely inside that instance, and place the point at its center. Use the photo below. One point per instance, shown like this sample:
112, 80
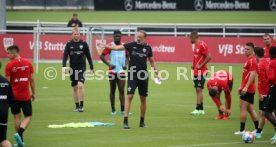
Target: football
248, 137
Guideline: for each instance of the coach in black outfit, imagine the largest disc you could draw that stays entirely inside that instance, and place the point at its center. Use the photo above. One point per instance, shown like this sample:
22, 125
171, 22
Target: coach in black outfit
139, 52
78, 52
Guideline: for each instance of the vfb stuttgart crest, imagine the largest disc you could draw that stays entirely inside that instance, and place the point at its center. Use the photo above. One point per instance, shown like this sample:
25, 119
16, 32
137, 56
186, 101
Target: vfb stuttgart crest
144, 50
81, 47
8, 42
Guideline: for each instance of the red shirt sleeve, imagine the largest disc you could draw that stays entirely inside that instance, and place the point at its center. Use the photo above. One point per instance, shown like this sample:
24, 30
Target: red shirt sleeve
204, 48
8, 71
106, 51
217, 101
253, 65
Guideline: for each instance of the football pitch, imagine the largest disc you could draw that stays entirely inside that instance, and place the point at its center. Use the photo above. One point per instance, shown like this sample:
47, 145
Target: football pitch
168, 118
169, 104
146, 16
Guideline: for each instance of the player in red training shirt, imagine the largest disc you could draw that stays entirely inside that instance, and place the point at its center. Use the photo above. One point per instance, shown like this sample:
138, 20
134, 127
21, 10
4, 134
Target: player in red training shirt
263, 87
20, 73
201, 57
247, 88
268, 43
221, 81
270, 106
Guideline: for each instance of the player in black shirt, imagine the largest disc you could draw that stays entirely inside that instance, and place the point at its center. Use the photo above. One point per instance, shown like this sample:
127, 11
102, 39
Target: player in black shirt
74, 22
6, 101
139, 52
78, 52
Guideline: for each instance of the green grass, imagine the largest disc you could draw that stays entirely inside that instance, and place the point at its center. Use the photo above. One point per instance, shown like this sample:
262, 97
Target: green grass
147, 17
169, 104
168, 115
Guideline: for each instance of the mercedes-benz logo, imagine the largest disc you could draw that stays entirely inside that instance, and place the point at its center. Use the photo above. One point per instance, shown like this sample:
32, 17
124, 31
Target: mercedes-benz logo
272, 5
128, 5
198, 4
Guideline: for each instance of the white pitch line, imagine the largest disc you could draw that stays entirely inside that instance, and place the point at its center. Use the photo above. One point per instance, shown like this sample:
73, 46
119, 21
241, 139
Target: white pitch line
214, 144
183, 105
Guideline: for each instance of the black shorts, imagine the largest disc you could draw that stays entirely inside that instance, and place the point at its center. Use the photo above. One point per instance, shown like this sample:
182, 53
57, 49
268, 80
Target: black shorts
248, 97
117, 76
271, 104
25, 106
263, 103
142, 85
78, 75
199, 81
4, 112
3, 132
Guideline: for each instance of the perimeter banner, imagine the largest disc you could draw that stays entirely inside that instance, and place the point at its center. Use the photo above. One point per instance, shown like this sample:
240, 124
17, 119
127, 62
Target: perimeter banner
186, 5
165, 48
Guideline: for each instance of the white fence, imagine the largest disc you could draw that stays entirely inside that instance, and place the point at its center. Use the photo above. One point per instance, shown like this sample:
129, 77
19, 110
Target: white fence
223, 29
101, 29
